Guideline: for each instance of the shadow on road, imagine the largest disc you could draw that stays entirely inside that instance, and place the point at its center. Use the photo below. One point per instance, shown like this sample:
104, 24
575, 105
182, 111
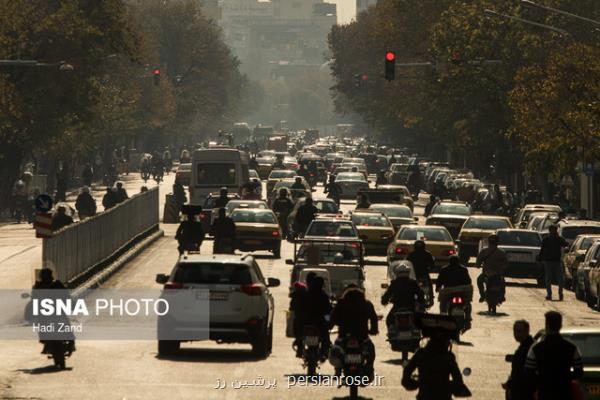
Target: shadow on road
395, 361
212, 356
348, 397
49, 369
488, 314
532, 285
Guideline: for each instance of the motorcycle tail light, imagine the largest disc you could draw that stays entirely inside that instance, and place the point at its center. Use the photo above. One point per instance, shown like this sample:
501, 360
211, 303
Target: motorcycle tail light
398, 250
452, 252
275, 233
457, 300
173, 285
352, 343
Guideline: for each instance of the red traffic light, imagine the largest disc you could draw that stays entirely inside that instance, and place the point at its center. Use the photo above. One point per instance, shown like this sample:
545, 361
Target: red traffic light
156, 71
364, 77
390, 56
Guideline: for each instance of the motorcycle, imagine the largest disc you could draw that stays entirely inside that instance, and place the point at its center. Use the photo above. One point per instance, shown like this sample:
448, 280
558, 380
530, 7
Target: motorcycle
313, 179
311, 352
158, 174
59, 350
457, 309
191, 246
403, 334
494, 294
355, 364
425, 285
282, 219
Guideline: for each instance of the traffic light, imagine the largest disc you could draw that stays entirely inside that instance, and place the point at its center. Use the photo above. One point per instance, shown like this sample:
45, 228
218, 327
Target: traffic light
356, 80
156, 76
456, 58
390, 66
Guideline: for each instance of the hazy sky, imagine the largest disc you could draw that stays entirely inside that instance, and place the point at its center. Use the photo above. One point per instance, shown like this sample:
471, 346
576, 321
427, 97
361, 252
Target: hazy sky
346, 10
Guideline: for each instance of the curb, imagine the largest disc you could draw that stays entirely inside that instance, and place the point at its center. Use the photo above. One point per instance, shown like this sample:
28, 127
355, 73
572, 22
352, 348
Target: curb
102, 276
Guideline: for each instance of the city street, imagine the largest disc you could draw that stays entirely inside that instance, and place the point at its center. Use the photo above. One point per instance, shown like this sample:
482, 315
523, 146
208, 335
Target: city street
131, 369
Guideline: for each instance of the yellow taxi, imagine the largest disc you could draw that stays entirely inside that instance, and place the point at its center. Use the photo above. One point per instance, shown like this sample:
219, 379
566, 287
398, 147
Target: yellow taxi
438, 242
257, 229
478, 227
375, 230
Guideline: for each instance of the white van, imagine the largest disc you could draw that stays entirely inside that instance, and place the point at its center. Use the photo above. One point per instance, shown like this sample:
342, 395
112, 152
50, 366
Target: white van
213, 169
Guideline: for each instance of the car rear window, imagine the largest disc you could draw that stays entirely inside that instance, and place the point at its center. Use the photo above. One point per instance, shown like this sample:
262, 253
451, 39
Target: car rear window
455, 209
530, 239
491, 224
215, 174
571, 232
328, 228
213, 273
233, 204
350, 176
282, 174
394, 212
326, 207
587, 242
262, 217
369, 220
435, 235
588, 345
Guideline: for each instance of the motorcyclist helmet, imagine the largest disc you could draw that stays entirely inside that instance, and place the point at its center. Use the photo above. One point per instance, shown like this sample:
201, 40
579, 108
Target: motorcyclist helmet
402, 270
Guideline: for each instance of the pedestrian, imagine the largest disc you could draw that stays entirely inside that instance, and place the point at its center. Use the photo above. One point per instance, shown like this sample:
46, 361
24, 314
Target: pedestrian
87, 175
120, 193
179, 193
110, 199
223, 230
223, 198
304, 216
85, 204
60, 219
61, 185
553, 362
551, 255
518, 385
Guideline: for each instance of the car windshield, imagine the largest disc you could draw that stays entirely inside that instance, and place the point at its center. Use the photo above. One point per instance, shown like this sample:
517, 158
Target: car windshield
455, 209
427, 234
370, 220
519, 238
588, 345
393, 212
262, 217
350, 176
329, 228
489, 224
213, 273
571, 232
279, 174
216, 174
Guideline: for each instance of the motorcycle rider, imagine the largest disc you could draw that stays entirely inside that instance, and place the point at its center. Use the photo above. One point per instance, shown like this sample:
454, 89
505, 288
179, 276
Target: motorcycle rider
223, 229
333, 190
493, 262
282, 206
305, 215
302, 171
454, 279
85, 204
167, 159
422, 262
414, 181
279, 163
363, 201
313, 308
404, 292
297, 185
435, 364
189, 234
429, 206
223, 198
356, 317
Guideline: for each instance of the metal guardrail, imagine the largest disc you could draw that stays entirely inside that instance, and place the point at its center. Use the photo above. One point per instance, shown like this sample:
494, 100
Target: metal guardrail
78, 247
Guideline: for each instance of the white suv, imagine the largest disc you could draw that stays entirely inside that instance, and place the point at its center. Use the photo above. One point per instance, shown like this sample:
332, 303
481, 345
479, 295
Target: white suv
233, 294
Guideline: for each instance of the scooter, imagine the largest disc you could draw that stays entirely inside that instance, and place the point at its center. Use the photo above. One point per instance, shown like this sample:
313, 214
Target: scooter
355, 365
403, 334
494, 294
458, 309
59, 350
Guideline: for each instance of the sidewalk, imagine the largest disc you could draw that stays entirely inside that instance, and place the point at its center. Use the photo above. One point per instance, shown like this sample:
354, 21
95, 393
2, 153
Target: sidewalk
21, 251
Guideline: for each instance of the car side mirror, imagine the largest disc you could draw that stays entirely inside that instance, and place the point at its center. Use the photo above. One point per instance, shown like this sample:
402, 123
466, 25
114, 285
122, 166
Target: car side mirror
594, 263
384, 285
273, 282
416, 219
162, 278
289, 262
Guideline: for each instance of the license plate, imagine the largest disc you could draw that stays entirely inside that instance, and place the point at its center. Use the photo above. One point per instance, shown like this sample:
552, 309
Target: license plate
353, 358
593, 390
219, 296
252, 242
516, 257
311, 341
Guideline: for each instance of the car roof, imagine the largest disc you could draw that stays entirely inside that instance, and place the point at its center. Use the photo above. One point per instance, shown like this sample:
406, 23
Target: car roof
440, 227
548, 206
388, 205
578, 222
193, 257
516, 230
498, 217
262, 210
459, 203
332, 217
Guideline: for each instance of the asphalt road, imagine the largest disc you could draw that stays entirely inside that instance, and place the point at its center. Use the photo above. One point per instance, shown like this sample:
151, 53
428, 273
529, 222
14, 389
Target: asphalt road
131, 369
